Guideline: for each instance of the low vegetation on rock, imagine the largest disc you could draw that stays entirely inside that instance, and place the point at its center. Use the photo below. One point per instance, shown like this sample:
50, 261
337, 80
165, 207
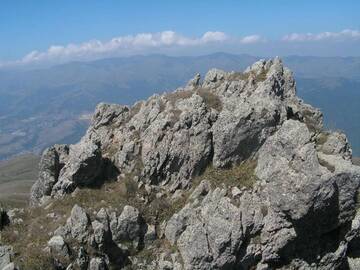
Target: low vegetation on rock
232, 172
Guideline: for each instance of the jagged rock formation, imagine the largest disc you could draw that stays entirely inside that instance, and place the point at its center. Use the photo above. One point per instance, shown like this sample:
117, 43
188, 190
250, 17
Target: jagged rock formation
174, 137
296, 211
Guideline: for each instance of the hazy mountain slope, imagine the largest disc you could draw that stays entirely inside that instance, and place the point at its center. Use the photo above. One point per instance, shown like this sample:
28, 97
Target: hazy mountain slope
16, 178
317, 67
340, 102
33, 102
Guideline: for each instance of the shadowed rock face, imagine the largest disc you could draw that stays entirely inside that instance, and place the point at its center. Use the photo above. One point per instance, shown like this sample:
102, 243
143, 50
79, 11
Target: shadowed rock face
299, 213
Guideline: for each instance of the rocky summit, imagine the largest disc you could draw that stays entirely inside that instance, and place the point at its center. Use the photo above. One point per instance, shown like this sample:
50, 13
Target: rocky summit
230, 172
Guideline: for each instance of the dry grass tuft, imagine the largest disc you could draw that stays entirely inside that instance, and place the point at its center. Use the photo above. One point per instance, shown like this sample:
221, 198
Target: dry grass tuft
261, 76
239, 76
211, 100
242, 175
322, 138
177, 95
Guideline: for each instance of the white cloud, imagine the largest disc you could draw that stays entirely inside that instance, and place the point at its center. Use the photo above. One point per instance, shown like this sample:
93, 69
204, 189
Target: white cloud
252, 39
214, 37
129, 44
346, 34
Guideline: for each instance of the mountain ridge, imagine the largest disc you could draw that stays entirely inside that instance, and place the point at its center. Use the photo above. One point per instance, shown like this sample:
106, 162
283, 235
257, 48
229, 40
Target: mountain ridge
60, 95
230, 172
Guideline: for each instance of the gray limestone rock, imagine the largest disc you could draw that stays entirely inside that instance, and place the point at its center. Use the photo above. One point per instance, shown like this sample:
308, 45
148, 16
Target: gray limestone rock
78, 224
6, 254
97, 264
58, 247
52, 161
296, 216
128, 226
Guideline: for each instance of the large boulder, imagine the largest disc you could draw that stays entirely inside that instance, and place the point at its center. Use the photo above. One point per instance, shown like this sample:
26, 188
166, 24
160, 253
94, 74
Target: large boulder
58, 247
128, 227
77, 226
82, 168
52, 161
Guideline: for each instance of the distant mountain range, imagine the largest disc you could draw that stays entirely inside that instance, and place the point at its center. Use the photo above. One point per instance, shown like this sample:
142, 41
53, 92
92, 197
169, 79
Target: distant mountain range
46, 106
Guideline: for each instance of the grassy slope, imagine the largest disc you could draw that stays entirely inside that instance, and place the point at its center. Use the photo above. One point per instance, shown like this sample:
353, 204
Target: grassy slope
16, 177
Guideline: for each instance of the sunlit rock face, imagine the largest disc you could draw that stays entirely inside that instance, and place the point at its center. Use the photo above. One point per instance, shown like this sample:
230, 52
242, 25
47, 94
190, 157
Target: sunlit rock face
296, 210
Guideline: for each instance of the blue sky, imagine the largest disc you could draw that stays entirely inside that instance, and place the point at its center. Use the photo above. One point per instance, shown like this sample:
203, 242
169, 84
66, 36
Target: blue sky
27, 26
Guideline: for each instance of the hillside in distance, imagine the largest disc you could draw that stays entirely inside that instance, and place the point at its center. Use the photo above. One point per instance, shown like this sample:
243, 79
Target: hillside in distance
16, 178
53, 105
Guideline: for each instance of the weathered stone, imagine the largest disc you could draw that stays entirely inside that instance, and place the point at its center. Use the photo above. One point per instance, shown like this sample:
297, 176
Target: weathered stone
78, 224
58, 247
305, 183
150, 235
97, 264
83, 166
336, 143
10, 266
82, 259
6, 254
52, 161
128, 226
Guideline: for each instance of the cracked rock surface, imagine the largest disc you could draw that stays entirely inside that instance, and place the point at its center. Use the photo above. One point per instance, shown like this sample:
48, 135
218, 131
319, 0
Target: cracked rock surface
297, 210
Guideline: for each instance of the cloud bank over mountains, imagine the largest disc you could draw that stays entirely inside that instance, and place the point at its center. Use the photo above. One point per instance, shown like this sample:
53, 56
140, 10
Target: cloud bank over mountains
166, 40
344, 35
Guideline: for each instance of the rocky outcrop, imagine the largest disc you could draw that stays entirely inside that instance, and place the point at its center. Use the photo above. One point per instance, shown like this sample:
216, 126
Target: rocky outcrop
128, 226
52, 161
295, 212
6, 254
58, 248
171, 138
